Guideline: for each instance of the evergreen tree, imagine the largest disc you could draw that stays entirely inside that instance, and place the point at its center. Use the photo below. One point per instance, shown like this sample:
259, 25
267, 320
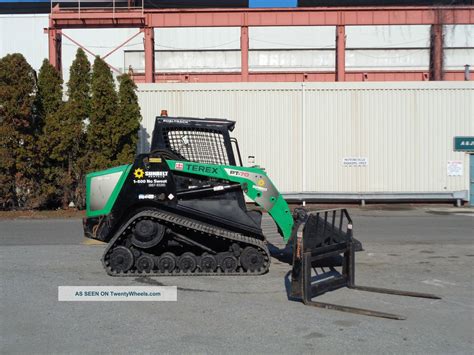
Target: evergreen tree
18, 132
77, 112
50, 94
127, 121
50, 90
63, 139
79, 84
100, 139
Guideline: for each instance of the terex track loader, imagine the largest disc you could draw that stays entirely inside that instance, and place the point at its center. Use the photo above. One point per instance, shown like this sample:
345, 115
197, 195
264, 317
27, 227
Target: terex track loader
180, 210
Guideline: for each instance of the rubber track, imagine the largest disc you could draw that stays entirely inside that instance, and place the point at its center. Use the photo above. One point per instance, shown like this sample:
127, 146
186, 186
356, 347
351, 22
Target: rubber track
172, 220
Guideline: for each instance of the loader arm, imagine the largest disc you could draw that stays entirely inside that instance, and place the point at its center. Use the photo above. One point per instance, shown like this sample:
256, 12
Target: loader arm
254, 182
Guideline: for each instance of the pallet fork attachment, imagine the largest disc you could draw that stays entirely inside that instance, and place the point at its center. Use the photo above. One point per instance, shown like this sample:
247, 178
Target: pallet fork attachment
326, 234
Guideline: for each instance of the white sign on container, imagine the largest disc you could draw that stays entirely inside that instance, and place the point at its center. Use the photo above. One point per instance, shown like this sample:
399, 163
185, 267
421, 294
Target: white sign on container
455, 168
355, 162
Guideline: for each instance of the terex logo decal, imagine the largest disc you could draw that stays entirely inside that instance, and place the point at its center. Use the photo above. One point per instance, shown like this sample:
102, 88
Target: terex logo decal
201, 169
237, 173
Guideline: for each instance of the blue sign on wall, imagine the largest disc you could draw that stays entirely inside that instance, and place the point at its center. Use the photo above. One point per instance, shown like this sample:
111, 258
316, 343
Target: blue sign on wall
464, 144
273, 3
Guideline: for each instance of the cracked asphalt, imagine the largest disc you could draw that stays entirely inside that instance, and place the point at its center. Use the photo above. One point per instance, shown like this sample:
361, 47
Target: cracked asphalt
416, 250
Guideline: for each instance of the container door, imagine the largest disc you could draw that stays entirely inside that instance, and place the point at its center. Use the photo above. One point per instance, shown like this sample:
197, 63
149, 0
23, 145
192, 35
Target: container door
471, 177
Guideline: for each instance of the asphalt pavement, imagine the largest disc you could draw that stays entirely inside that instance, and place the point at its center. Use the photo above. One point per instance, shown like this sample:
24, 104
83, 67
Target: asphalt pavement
417, 250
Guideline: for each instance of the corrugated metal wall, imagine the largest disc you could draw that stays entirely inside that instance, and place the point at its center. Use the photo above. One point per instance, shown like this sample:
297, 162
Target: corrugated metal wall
301, 133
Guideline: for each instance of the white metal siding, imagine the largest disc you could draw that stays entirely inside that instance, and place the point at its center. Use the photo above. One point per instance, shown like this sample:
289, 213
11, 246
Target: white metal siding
197, 38
294, 60
24, 34
459, 46
405, 130
406, 134
284, 37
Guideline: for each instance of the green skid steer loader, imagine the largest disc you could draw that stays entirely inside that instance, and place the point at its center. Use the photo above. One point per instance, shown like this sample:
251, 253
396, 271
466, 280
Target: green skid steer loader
180, 210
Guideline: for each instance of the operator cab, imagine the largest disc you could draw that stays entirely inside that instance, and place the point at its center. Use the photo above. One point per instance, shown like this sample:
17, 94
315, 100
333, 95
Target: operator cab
205, 140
